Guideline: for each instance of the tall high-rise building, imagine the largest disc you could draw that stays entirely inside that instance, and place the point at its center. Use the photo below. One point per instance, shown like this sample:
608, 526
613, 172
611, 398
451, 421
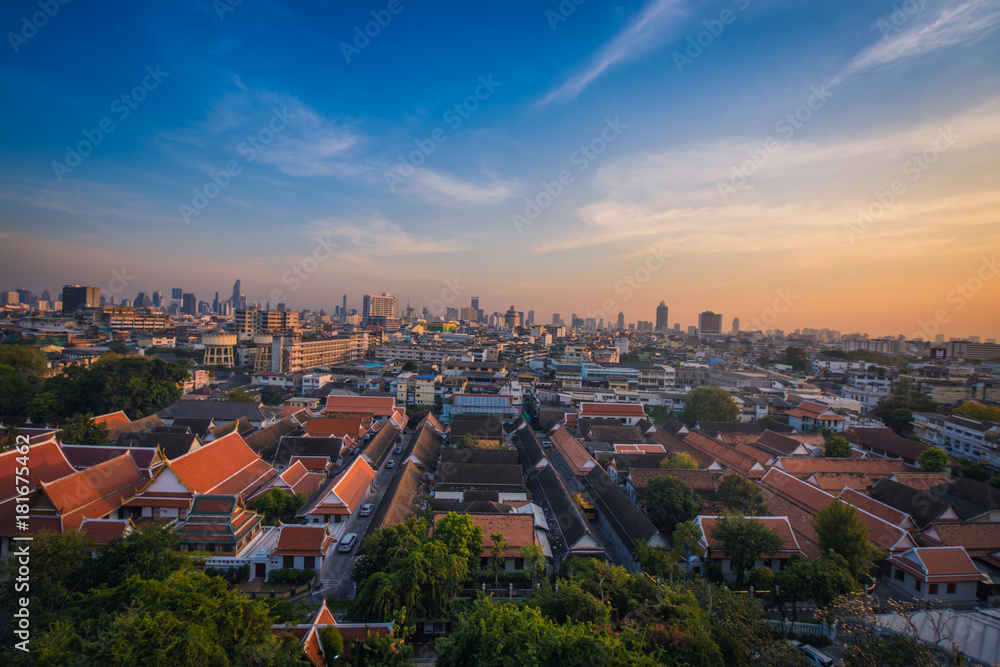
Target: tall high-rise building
237, 286
215, 304
189, 304
531, 318
80, 296
512, 318
377, 306
343, 309
157, 299
736, 325
469, 314
555, 319
661, 316
621, 321
142, 301
475, 303
709, 323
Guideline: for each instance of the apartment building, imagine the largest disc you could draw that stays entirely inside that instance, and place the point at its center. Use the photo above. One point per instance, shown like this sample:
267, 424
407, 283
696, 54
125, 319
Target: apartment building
125, 318
960, 436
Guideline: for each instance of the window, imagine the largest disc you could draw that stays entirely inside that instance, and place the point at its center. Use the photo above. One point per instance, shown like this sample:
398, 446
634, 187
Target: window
951, 589
916, 585
899, 575
932, 589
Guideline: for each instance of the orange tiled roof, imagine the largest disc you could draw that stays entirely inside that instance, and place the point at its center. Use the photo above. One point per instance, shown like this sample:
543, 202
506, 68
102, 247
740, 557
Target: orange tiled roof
517, 529
725, 455
779, 524
95, 492
640, 448
938, 564
876, 468
113, 419
102, 531
576, 457
225, 466
294, 540
344, 494
611, 410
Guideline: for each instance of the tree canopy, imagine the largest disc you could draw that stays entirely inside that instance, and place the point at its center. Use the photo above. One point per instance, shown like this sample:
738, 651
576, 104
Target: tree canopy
743, 541
710, 404
837, 447
840, 529
82, 430
741, 495
933, 459
679, 461
404, 567
670, 501
974, 410
138, 386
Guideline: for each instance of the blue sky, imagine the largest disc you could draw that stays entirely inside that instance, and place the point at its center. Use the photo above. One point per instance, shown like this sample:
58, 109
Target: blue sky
668, 209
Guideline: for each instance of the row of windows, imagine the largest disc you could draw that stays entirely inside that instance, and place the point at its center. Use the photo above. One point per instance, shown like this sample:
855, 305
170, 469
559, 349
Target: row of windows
932, 589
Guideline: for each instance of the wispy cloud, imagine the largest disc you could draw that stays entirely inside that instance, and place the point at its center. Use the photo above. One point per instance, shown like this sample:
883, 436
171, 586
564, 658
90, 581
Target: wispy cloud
441, 189
369, 237
647, 31
954, 23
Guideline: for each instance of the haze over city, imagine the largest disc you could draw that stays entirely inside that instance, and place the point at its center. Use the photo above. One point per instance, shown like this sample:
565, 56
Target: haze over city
758, 144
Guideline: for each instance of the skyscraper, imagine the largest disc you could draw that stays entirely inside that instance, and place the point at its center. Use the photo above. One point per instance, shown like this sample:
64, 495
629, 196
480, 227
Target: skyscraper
475, 303
377, 306
80, 296
189, 304
661, 316
238, 300
621, 321
343, 309
555, 319
736, 325
709, 323
157, 299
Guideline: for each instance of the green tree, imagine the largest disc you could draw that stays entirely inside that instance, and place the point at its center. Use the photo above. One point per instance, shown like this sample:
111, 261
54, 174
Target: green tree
974, 410
670, 501
468, 441
497, 555
840, 529
679, 461
239, 395
409, 367
82, 430
820, 580
743, 541
795, 357
138, 386
933, 459
837, 447
462, 537
687, 536
10, 435
333, 645
709, 404
741, 495
534, 559
276, 503
22, 368
767, 422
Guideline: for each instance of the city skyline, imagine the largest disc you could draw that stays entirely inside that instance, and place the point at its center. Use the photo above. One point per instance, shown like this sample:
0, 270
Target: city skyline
841, 155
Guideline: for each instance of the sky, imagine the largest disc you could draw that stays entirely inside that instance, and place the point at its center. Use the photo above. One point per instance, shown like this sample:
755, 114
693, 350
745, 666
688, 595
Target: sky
791, 163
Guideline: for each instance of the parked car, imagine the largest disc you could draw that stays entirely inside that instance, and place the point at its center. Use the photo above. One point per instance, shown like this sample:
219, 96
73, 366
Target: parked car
347, 542
399, 449
366, 509
547, 444
391, 463
815, 656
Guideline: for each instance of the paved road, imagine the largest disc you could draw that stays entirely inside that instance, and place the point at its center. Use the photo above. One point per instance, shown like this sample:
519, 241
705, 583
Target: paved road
601, 527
